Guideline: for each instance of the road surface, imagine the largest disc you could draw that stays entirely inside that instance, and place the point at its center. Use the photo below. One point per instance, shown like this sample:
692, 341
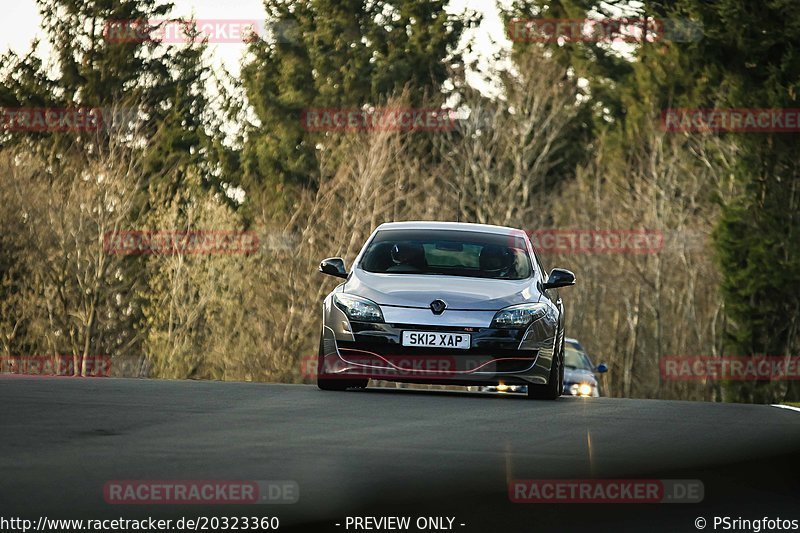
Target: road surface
386, 452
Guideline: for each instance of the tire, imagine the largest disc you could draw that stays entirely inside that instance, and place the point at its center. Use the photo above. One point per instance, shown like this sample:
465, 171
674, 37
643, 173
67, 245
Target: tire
555, 380
335, 384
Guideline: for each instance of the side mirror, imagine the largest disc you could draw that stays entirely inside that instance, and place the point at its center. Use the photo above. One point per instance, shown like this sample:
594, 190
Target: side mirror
559, 277
333, 266
602, 368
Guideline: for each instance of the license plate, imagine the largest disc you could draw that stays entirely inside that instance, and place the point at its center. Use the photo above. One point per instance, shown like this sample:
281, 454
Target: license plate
435, 339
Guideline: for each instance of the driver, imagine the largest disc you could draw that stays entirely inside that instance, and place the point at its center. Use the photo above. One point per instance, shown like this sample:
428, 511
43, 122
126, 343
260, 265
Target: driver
498, 261
409, 254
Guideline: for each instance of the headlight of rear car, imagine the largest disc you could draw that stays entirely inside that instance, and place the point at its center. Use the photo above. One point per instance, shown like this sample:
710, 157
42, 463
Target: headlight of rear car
518, 316
357, 308
582, 389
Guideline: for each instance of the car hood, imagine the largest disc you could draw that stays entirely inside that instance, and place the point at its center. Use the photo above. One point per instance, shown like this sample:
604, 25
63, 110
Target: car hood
579, 375
408, 290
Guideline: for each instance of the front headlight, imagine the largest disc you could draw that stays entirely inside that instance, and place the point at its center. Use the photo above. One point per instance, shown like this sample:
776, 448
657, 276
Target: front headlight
357, 308
582, 389
519, 316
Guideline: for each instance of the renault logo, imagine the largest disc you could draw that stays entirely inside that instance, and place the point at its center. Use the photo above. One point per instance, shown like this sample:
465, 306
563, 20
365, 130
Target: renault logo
438, 307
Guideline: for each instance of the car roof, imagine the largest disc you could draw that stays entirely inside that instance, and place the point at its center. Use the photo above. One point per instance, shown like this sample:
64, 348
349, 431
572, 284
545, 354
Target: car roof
574, 343
454, 226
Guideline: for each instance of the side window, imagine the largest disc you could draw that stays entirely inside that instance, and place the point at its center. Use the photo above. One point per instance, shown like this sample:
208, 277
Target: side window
539, 264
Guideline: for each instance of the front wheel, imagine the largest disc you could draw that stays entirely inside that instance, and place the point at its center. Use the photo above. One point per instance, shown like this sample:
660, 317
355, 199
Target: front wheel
555, 381
336, 384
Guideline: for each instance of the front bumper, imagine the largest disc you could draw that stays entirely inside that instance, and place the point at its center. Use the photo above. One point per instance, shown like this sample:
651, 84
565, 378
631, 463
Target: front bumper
359, 350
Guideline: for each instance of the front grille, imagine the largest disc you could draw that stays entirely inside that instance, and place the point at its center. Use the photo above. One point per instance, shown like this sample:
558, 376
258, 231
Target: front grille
390, 334
387, 355
416, 327
385, 347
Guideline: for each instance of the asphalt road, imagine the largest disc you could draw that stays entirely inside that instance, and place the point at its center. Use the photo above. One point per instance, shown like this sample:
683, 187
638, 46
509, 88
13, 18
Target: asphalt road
387, 452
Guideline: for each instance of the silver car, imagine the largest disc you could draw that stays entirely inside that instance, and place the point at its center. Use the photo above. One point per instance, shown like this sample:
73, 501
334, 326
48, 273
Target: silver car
444, 303
580, 374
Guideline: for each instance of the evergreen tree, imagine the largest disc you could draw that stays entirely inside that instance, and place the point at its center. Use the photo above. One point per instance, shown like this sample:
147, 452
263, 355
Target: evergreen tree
108, 57
753, 55
337, 54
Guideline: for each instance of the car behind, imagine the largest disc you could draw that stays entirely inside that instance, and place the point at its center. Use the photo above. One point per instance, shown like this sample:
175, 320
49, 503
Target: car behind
580, 377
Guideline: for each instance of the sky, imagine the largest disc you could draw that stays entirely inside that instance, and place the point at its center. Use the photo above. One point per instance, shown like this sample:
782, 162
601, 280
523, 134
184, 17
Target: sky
20, 24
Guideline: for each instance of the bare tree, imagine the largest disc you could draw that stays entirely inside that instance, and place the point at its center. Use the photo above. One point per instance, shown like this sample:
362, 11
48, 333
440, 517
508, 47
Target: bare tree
501, 156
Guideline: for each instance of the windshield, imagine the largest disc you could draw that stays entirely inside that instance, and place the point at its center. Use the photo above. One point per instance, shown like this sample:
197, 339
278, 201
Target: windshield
448, 252
574, 358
